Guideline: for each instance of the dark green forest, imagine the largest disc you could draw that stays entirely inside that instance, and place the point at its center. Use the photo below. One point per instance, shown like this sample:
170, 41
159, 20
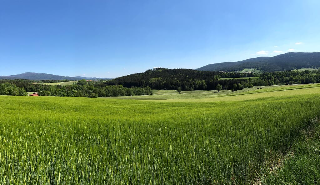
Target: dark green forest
186, 79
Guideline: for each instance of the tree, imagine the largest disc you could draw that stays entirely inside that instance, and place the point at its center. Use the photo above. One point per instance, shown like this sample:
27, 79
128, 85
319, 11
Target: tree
219, 87
234, 87
82, 82
179, 90
93, 95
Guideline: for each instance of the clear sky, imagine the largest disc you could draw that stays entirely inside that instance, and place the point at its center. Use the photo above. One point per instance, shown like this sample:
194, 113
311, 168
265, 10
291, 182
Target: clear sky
111, 38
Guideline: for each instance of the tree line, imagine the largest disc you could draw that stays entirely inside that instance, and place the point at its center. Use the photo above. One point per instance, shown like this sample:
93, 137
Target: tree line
82, 88
11, 89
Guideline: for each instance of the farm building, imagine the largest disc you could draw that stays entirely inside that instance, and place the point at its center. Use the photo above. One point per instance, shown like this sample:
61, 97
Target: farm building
34, 94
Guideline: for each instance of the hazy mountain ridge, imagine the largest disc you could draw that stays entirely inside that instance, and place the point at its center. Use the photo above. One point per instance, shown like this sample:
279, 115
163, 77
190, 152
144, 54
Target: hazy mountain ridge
287, 61
45, 76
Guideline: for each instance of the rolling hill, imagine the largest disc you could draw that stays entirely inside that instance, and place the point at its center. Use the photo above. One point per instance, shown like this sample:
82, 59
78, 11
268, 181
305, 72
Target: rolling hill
45, 76
287, 61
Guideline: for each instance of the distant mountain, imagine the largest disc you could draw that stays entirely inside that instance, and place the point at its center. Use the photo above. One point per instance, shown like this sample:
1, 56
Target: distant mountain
45, 76
287, 61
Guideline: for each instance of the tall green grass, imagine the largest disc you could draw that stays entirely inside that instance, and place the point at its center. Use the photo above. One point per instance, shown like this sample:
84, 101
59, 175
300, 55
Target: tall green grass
302, 166
51, 140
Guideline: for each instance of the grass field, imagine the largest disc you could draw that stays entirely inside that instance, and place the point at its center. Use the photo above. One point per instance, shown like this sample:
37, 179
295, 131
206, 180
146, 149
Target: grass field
59, 83
197, 137
306, 69
250, 70
228, 95
301, 165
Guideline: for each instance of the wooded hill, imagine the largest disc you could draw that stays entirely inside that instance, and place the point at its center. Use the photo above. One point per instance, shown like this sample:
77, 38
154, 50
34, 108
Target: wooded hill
44, 76
283, 62
186, 79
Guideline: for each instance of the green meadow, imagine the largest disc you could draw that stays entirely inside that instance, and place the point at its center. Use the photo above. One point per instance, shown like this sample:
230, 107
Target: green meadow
202, 137
228, 95
59, 83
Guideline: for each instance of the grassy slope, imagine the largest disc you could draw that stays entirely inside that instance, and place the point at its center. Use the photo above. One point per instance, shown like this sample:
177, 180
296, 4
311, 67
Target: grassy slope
301, 165
225, 139
223, 96
239, 78
59, 83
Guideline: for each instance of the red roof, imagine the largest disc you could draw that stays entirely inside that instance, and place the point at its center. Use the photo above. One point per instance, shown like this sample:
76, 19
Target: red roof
34, 94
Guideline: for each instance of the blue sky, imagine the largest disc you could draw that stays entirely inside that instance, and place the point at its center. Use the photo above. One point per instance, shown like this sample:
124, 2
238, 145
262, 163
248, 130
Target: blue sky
111, 38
